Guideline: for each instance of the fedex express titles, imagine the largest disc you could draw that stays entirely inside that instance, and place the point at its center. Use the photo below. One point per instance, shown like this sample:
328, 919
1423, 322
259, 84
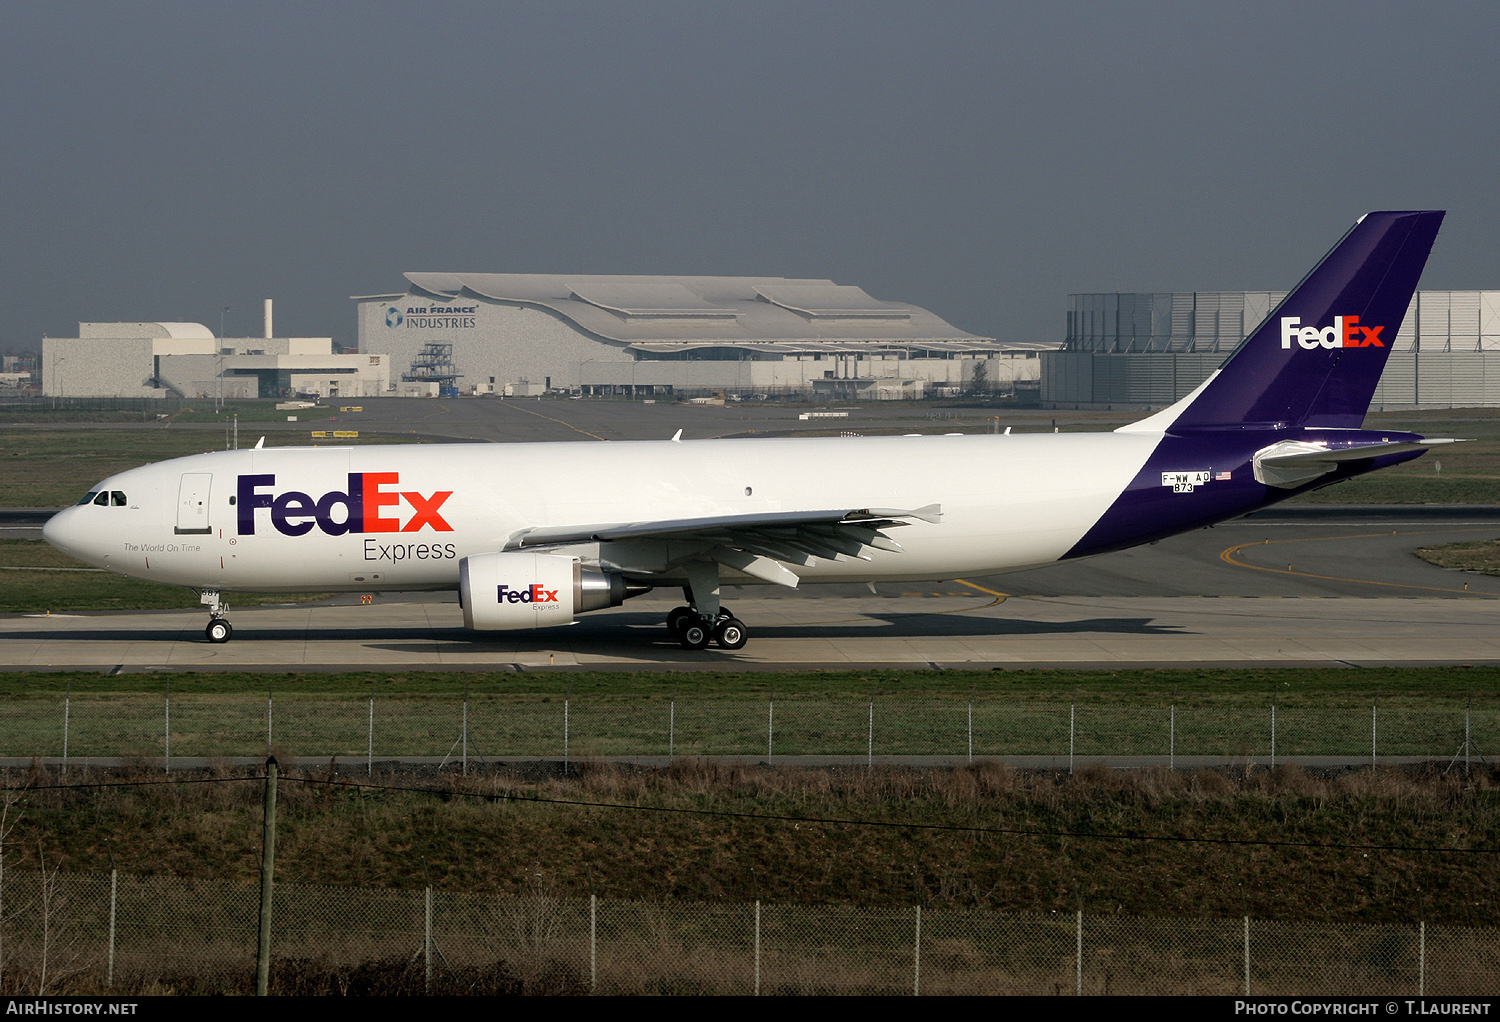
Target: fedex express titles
358, 509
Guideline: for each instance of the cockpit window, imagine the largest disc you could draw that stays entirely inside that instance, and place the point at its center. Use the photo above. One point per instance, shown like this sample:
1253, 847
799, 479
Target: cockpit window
117, 498
103, 499
88, 498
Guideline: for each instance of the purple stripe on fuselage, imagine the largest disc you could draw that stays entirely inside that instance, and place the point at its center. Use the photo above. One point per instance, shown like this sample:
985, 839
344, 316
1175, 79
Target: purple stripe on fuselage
1152, 509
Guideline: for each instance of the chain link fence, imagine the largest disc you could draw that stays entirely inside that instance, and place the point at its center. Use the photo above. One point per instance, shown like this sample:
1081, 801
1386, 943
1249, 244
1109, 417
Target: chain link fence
96, 933
474, 728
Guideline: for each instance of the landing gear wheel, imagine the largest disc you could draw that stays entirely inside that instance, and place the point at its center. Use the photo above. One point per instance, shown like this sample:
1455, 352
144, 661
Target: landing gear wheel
695, 634
677, 619
218, 631
730, 633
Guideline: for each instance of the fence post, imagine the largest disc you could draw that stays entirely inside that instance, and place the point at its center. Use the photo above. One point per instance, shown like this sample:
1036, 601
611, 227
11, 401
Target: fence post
270, 713
466, 729
916, 979
1078, 956
267, 878
757, 947
870, 735
166, 761
1072, 728
1374, 710
370, 746
1172, 734
67, 708
1468, 709
770, 725
427, 939
672, 727
593, 942
1247, 956
1273, 732
114, 888
971, 725
1422, 958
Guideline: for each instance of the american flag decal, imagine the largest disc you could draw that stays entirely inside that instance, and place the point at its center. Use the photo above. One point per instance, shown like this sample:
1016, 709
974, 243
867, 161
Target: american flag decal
1221, 477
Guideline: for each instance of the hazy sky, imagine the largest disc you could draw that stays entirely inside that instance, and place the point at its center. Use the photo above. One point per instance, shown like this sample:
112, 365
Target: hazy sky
166, 160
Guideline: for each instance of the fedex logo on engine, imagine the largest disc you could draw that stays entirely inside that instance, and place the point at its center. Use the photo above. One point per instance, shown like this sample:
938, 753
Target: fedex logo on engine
1345, 333
337, 512
533, 593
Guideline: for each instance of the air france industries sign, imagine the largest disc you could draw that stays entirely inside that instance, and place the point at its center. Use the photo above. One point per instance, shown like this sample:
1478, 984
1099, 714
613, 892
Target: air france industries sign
432, 317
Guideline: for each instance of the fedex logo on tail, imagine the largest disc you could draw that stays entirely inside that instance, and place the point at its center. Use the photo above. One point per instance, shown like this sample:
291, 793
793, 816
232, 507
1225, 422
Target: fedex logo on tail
360, 508
1345, 333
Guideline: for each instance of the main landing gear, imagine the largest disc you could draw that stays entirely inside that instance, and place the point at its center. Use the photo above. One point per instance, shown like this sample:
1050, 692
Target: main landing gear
703, 620
694, 631
219, 629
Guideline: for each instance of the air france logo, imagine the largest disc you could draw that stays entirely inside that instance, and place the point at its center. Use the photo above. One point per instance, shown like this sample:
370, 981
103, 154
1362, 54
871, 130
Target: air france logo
294, 513
533, 593
393, 317
1345, 333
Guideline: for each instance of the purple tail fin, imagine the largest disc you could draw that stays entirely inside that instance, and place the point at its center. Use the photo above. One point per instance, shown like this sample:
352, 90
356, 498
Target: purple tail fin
1316, 359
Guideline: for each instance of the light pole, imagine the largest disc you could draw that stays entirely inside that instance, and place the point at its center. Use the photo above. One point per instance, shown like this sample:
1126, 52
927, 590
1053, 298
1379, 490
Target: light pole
219, 362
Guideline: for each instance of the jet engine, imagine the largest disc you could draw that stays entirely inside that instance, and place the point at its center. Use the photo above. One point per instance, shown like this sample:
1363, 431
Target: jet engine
520, 589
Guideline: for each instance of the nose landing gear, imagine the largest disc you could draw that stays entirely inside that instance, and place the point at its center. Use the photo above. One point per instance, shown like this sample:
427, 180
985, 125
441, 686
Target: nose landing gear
219, 629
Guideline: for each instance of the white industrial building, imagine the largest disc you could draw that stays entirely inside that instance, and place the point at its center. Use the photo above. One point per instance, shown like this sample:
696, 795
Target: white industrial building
528, 332
1148, 350
187, 360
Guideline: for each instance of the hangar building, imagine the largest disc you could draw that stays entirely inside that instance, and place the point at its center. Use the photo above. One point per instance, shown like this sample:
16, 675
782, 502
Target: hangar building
527, 332
1148, 350
187, 360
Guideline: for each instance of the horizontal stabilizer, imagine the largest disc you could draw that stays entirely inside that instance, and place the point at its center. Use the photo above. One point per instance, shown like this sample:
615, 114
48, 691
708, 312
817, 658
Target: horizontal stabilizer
1292, 463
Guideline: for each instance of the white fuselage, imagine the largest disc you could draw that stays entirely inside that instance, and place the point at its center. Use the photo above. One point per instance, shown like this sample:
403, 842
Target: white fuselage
1007, 502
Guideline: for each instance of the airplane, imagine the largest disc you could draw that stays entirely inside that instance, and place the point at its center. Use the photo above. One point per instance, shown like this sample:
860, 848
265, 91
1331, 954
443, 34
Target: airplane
534, 534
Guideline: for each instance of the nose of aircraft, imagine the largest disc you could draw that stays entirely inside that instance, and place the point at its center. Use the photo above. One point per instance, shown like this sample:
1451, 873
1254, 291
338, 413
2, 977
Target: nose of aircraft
67, 533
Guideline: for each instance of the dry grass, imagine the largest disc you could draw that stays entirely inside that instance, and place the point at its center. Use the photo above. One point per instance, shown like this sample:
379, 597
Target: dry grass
1482, 557
984, 837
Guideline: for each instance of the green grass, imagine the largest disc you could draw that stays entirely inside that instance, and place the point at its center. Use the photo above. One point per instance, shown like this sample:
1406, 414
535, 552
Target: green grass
1419, 712
53, 468
1389, 487
250, 412
1291, 686
504, 726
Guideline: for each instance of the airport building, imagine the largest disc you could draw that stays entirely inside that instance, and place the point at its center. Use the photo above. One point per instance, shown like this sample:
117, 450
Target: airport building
1148, 350
187, 360
523, 333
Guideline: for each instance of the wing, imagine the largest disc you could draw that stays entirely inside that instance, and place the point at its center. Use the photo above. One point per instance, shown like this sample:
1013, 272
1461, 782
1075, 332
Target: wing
761, 545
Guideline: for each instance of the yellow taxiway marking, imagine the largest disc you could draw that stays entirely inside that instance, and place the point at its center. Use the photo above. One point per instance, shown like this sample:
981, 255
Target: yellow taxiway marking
999, 597
1228, 557
549, 418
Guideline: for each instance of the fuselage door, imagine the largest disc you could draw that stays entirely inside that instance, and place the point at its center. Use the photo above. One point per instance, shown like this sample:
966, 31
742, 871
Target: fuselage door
192, 503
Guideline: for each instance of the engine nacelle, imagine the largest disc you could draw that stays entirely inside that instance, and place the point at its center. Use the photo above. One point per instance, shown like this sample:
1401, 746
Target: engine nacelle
520, 589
